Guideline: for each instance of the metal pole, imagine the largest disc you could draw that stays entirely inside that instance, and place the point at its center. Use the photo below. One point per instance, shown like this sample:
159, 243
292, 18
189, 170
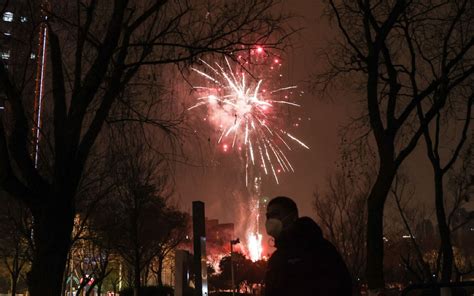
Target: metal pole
232, 267
199, 244
232, 243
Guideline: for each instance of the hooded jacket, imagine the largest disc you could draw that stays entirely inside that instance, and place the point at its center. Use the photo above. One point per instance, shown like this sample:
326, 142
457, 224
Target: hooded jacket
305, 264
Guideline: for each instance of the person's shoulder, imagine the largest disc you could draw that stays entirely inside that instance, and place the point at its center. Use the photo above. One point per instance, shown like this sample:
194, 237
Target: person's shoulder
278, 258
307, 230
305, 221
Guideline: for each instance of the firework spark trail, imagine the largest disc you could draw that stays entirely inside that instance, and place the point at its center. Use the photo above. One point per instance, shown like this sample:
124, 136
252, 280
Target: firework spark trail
297, 140
244, 112
283, 88
254, 246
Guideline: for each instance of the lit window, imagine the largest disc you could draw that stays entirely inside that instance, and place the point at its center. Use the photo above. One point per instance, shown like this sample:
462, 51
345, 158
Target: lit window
5, 55
8, 16
23, 19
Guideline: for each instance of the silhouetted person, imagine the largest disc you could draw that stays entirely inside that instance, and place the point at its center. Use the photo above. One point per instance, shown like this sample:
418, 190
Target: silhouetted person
304, 263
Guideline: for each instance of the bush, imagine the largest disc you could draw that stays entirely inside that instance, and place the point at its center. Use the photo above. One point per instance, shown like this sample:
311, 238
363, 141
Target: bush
149, 291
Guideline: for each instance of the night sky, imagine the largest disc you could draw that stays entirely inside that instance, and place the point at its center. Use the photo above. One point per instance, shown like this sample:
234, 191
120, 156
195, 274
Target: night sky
219, 181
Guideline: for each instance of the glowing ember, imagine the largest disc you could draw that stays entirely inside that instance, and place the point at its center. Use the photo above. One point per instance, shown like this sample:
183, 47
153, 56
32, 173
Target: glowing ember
254, 245
245, 116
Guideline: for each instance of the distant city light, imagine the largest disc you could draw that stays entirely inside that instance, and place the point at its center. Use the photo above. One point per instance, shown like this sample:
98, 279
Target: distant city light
5, 55
8, 16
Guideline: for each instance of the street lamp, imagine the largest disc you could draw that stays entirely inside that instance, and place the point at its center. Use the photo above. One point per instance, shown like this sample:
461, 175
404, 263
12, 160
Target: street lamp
232, 243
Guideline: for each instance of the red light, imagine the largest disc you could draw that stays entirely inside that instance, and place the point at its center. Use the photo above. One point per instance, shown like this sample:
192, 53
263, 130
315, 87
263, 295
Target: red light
225, 147
259, 49
276, 61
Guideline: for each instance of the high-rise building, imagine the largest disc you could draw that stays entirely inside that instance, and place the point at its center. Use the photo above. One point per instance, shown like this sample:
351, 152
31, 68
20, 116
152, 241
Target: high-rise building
18, 36
21, 45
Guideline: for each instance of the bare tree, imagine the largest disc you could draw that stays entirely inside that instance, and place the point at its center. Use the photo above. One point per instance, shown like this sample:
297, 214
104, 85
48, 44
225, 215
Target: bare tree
404, 51
138, 221
91, 257
460, 186
97, 48
423, 258
411, 215
443, 124
15, 251
340, 212
173, 233
95, 186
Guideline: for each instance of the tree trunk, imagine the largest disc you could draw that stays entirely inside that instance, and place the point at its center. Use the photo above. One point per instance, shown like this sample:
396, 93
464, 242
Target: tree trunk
14, 281
145, 274
15, 271
99, 288
136, 275
53, 223
159, 272
375, 211
444, 232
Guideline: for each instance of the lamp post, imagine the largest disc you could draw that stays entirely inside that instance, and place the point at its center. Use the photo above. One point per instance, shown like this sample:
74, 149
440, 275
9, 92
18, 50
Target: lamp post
232, 243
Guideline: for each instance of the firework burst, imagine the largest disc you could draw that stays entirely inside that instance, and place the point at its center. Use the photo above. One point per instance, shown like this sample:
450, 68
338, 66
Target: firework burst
245, 112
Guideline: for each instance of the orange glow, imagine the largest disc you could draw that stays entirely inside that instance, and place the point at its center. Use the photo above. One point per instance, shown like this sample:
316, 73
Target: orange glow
254, 241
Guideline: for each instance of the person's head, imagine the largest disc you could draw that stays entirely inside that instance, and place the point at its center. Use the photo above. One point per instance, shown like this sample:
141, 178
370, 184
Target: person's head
282, 212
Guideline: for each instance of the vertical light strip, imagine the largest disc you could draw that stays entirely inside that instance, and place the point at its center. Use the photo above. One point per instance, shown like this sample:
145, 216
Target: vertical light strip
41, 90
